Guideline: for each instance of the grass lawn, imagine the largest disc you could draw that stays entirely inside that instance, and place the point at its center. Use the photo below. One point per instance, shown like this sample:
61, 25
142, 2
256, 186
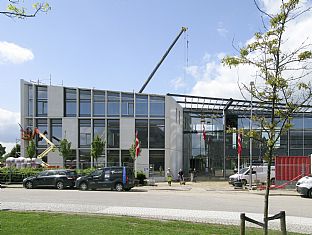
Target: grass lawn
60, 223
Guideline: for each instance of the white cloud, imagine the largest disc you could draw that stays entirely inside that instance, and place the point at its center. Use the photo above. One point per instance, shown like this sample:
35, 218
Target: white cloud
215, 80
12, 53
222, 30
178, 83
9, 128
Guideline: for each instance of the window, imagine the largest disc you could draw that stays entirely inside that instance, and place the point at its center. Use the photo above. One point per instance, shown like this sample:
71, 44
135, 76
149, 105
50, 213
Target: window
99, 103
99, 128
30, 104
42, 125
141, 105
84, 103
113, 104
84, 133
156, 162
56, 130
84, 159
157, 106
157, 133
113, 133
127, 105
42, 101
70, 161
126, 159
141, 126
112, 157
70, 103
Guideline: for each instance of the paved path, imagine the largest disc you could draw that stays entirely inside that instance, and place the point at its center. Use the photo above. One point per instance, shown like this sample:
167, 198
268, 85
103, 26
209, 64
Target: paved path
294, 223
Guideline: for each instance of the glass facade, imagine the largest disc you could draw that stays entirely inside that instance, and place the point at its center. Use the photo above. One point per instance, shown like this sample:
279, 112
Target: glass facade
157, 133
56, 131
70, 103
113, 133
141, 127
113, 158
42, 101
84, 103
156, 163
157, 106
42, 125
84, 133
113, 104
99, 103
99, 128
127, 105
141, 105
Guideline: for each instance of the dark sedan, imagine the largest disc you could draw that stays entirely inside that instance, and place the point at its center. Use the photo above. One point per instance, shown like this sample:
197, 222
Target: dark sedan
59, 179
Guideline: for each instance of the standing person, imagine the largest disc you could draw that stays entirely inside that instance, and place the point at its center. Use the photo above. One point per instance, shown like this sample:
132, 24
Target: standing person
181, 176
194, 175
169, 176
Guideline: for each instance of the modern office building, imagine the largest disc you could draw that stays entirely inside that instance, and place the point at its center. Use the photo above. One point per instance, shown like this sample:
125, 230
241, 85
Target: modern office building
170, 129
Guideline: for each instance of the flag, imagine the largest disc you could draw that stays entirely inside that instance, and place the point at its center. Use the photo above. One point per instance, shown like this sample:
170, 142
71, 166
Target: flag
239, 144
137, 145
204, 133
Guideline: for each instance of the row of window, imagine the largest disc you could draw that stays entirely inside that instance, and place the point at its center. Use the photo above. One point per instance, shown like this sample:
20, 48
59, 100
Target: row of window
117, 158
113, 104
151, 133
98, 103
152, 130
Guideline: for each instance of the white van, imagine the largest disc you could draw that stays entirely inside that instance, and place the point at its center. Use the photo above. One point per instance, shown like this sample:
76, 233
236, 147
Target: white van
259, 174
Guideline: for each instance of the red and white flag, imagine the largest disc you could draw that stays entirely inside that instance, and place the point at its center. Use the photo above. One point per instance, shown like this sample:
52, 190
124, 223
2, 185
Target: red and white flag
137, 145
239, 144
204, 133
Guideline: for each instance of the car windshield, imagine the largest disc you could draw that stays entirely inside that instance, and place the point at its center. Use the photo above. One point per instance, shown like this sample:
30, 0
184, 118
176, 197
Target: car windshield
243, 170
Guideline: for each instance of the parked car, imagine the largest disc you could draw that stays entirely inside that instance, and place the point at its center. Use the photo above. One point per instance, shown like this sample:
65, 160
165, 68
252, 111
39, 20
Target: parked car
59, 179
118, 178
259, 173
304, 186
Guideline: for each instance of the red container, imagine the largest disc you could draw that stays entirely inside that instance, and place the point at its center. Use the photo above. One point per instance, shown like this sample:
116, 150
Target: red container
291, 167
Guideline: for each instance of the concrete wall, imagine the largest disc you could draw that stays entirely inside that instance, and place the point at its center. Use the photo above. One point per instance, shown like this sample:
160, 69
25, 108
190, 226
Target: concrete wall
55, 101
127, 132
174, 136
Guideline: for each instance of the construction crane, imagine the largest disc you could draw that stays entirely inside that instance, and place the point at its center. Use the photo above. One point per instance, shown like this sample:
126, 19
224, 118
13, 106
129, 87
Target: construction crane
183, 29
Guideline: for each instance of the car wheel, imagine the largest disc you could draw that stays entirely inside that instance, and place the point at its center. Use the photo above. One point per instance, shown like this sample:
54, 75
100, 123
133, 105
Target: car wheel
310, 193
29, 185
119, 187
59, 185
83, 186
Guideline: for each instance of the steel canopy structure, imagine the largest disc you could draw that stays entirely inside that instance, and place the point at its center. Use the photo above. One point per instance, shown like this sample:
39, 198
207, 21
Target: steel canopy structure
210, 105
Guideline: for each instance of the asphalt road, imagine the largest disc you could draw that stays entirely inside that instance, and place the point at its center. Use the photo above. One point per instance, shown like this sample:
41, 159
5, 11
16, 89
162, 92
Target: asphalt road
173, 203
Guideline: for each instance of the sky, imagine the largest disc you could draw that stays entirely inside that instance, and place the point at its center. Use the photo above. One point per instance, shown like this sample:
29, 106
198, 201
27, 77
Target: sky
115, 45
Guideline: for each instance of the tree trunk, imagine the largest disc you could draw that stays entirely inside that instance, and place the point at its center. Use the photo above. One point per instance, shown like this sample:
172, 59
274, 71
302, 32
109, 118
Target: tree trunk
267, 192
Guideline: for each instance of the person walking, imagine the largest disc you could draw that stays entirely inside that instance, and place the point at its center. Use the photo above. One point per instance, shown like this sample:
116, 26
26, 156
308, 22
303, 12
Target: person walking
181, 176
169, 176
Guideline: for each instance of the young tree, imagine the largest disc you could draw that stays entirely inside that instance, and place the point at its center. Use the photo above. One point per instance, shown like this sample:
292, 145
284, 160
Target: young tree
97, 147
31, 149
2, 150
65, 149
281, 79
17, 9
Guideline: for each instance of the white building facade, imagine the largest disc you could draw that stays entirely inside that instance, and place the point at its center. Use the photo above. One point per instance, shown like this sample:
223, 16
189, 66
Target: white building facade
79, 115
